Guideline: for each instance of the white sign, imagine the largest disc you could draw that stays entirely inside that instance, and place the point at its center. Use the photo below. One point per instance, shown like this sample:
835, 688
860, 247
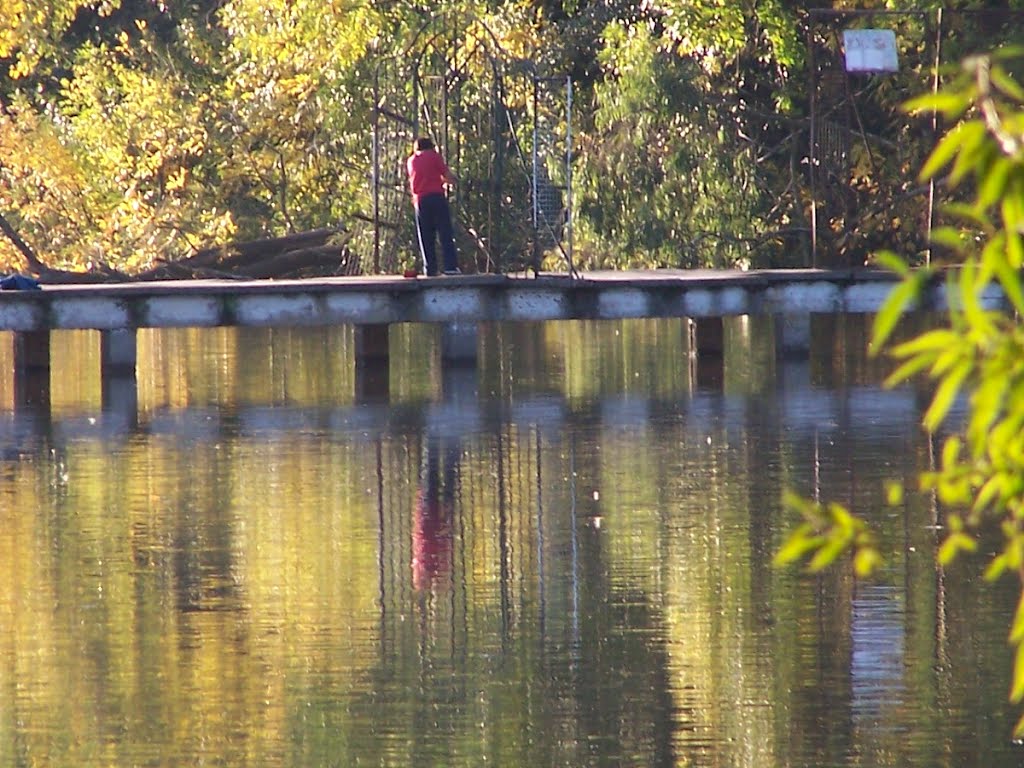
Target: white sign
870, 50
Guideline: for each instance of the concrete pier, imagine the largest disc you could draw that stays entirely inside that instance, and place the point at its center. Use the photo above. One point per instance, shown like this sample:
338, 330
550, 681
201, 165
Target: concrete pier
457, 304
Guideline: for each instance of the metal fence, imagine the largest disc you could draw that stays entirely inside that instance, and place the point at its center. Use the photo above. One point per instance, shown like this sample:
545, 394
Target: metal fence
503, 128
863, 150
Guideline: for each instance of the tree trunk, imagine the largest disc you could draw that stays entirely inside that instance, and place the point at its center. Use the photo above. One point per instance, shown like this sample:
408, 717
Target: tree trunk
267, 258
326, 256
34, 264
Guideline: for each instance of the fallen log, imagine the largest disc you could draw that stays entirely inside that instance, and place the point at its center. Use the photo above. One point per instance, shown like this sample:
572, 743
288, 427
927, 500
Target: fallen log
303, 254
239, 252
265, 258
325, 259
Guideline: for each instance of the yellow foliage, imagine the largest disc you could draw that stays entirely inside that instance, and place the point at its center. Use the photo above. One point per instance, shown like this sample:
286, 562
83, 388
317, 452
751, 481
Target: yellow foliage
31, 31
12, 15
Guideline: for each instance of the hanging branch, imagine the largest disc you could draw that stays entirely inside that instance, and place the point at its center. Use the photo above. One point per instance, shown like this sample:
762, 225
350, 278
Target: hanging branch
26, 250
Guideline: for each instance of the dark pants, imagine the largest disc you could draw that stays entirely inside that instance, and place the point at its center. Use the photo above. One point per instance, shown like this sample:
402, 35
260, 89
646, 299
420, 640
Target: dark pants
434, 221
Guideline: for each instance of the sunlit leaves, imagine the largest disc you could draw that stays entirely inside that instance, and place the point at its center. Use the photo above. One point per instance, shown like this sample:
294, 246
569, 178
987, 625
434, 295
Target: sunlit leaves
828, 532
172, 141
718, 33
1006, 561
978, 358
296, 45
950, 105
136, 139
41, 181
892, 262
32, 29
297, 100
981, 353
898, 301
668, 174
280, 92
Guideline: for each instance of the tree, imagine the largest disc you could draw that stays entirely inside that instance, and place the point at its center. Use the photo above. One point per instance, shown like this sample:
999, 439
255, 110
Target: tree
136, 130
670, 170
980, 352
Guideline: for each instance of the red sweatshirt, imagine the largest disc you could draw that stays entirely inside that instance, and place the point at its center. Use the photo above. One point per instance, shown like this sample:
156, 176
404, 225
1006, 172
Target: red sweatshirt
427, 173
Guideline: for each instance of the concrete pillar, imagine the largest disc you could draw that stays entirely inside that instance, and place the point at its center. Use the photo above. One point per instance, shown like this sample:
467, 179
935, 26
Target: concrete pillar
707, 353
372, 363
32, 369
793, 335
372, 342
707, 337
118, 352
459, 342
118, 385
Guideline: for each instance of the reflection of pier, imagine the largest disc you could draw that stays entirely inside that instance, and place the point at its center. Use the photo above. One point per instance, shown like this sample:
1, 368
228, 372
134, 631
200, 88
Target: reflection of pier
805, 410
366, 356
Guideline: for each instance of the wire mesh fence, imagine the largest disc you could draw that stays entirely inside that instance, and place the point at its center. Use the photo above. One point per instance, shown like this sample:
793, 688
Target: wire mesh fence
503, 130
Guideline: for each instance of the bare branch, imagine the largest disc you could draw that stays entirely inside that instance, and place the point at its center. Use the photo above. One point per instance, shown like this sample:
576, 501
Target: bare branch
35, 265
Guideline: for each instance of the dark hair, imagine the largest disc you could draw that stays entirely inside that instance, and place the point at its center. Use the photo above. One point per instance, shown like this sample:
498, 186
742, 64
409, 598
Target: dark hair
423, 144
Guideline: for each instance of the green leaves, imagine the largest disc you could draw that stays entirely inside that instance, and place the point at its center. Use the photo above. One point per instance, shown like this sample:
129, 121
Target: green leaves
828, 532
31, 30
232, 120
670, 170
978, 353
956, 542
951, 105
898, 301
964, 141
982, 350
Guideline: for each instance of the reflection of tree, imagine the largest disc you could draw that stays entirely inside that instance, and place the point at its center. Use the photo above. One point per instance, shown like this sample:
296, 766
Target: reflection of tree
621, 674
276, 589
203, 565
483, 660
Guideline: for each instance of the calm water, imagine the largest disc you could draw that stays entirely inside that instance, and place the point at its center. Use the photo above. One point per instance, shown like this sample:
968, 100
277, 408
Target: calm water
561, 557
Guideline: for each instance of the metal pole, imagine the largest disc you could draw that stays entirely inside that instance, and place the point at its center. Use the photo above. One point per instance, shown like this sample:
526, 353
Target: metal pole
417, 88
494, 204
376, 168
533, 185
445, 123
568, 171
935, 128
811, 158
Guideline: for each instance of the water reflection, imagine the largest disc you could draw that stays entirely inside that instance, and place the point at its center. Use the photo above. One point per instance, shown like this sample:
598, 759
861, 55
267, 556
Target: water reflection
432, 527
560, 556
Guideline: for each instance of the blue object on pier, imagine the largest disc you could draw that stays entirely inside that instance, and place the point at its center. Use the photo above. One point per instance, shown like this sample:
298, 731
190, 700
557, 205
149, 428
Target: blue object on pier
19, 283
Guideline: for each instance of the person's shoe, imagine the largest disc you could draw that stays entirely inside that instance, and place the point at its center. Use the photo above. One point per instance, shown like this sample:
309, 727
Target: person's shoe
455, 271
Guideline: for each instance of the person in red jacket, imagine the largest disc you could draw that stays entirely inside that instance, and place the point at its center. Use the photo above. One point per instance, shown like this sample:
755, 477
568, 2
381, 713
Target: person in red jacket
428, 175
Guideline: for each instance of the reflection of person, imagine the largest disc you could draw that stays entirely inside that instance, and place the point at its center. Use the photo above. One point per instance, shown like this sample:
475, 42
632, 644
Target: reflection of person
428, 175
432, 522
